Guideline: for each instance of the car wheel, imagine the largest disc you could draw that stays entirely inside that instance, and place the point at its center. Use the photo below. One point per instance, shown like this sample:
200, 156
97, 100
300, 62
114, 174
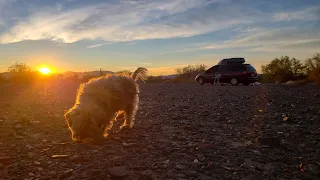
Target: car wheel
246, 84
234, 81
201, 81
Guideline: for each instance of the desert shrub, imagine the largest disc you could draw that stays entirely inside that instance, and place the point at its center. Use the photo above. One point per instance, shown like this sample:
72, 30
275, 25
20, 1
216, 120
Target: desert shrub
282, 69
155, 79
19, 68
313, 68
124, 72
188, 73
22, 73
265, 78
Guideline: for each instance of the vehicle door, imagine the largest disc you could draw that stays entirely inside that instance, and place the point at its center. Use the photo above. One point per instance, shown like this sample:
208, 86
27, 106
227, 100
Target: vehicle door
235, 70
223, 71
210, 73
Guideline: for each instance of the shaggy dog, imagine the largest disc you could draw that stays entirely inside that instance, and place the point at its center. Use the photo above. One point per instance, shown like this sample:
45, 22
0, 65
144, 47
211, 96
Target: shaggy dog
100, 101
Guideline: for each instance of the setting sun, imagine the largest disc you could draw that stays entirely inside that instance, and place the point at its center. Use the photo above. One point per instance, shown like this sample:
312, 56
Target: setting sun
45, 70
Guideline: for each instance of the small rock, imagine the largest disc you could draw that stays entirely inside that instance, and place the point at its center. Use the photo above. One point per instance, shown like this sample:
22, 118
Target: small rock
4, 159
31, 174
35, 122
166, 163
236, 145
196, 161
63, 164
91, 173
77, 158
180, 167
146, 175
37, 162
192, 173
313, 168
120, 171
180, 175
128, 144
66, 174
53, 174
285, 117
35, 136
119, 161
18, 126
269, 141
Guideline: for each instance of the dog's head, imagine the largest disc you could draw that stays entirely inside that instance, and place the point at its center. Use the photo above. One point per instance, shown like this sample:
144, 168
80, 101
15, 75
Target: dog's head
79, 122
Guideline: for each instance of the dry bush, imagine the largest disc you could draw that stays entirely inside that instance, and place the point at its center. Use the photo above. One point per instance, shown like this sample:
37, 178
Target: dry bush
188, 73
155, 79
282, 69
313, 68
22, 73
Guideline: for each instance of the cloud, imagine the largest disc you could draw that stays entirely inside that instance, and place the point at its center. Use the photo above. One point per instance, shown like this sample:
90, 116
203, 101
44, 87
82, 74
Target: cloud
263, 40
308, 46
257, 39
127, 21
312, 13
97, 45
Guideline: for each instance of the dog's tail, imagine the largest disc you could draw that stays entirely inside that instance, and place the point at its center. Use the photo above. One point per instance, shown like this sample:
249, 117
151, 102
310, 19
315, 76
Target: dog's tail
140, 73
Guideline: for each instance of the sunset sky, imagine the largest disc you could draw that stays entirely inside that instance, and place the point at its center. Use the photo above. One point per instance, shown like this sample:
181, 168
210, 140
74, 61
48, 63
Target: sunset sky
83, 35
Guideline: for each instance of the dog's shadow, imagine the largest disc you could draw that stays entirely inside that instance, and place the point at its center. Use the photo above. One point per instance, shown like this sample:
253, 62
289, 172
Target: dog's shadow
113, 137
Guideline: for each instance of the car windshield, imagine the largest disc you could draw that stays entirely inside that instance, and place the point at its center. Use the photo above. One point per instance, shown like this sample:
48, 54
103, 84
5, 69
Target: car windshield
250, 68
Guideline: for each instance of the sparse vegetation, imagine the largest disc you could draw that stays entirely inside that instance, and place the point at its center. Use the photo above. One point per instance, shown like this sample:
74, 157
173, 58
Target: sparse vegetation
284, 69
313, 68
124, 72
188, 73
155, 79
22, 73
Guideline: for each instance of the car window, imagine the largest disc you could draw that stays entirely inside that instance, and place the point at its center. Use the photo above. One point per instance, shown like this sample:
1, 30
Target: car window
212, 69
228, 68
222, 68
250, 68
233, 68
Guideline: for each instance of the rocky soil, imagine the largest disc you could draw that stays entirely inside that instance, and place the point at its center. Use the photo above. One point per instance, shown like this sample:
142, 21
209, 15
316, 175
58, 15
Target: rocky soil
181, 132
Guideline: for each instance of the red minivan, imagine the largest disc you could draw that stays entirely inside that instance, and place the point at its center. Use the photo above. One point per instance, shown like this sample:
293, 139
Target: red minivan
233, 73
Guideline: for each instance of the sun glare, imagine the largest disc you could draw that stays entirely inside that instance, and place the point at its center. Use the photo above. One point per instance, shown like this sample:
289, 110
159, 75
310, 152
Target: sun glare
45, 70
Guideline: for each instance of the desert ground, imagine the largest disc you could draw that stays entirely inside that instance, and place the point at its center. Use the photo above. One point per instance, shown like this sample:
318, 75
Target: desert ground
182, 131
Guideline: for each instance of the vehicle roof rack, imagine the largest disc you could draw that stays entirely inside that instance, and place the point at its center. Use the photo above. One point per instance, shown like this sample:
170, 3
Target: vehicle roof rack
236, 60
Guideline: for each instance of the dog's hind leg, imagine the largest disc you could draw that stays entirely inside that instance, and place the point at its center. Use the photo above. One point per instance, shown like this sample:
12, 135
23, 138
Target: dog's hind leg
130, 112
128, 120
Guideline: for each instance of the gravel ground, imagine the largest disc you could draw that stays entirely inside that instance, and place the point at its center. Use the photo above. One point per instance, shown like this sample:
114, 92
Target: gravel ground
182, 131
